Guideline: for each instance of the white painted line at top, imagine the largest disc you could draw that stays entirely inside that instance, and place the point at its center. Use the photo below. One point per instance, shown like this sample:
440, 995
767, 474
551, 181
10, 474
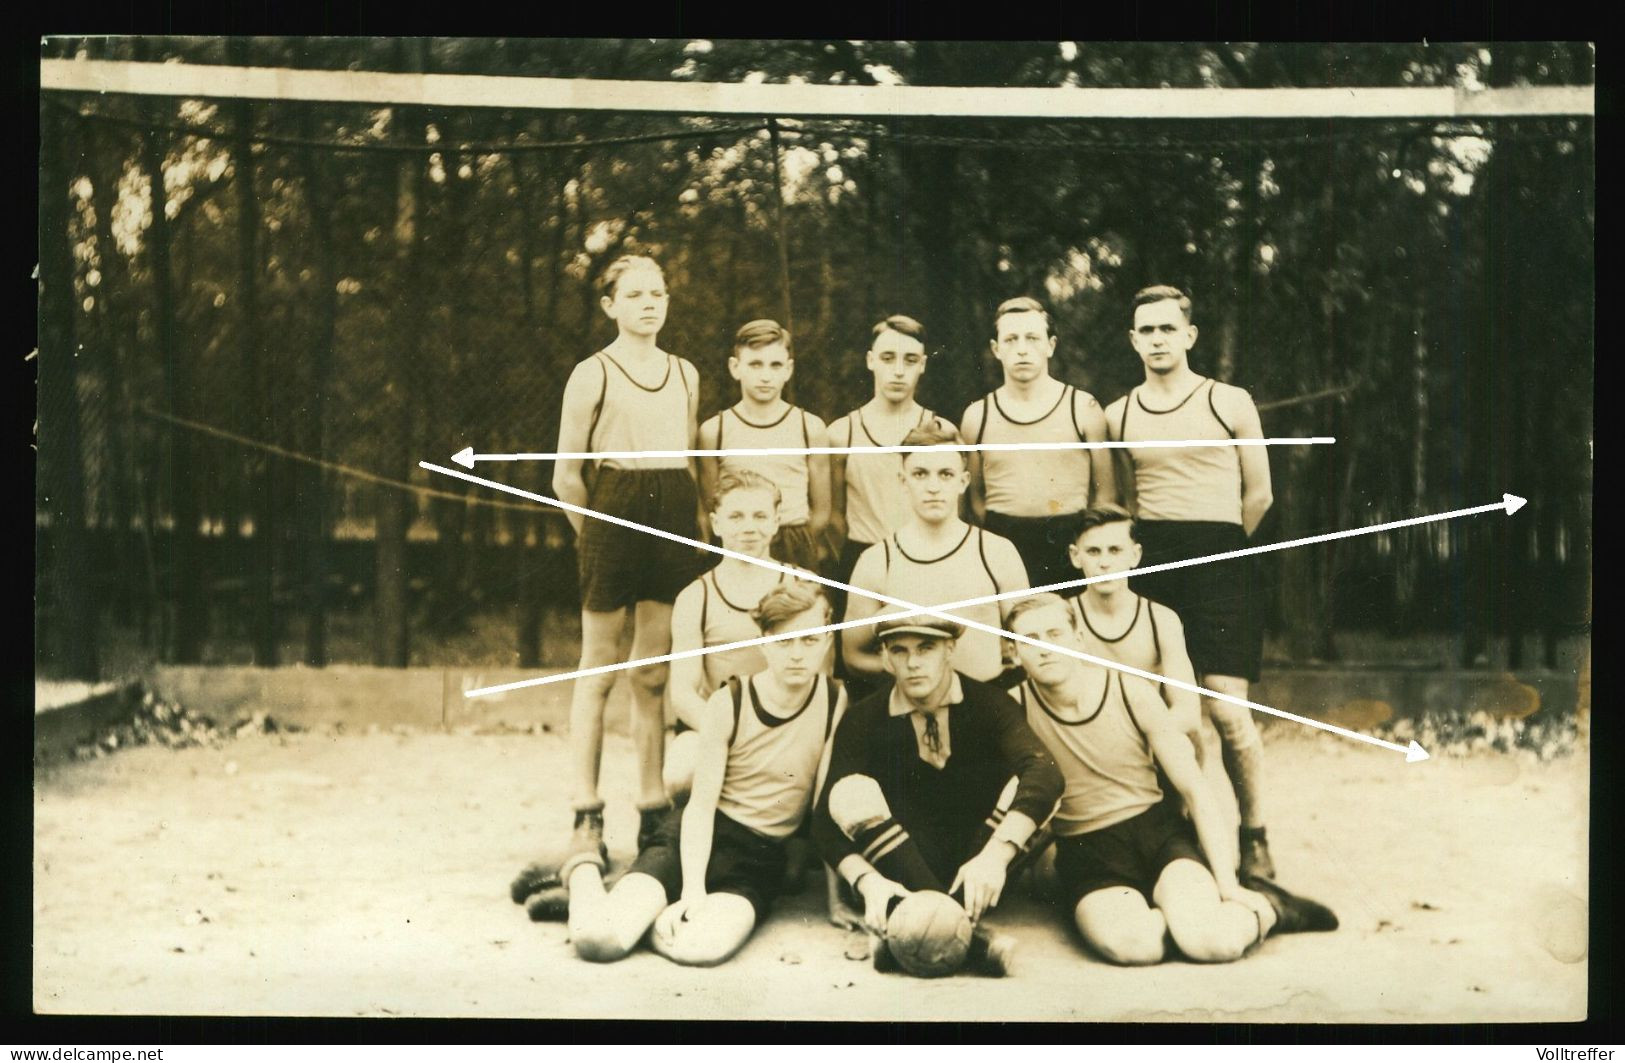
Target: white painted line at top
1509, 504
467, 458
877, 101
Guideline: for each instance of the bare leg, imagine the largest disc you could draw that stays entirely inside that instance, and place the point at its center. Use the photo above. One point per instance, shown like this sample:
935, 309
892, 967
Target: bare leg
1243, 749
1118, 923
711, 930
605, 925
677, 773
600, 634
1204, 927
651, 637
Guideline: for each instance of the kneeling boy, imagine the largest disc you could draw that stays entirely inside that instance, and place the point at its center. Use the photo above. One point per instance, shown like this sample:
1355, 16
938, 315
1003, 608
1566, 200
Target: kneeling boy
1131, 867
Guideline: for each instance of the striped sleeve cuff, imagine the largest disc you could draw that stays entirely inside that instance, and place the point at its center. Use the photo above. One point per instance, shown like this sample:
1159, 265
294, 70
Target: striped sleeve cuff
1016, 828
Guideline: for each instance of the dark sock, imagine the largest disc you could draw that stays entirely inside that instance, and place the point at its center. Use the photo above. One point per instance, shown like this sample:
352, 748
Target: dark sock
893, 853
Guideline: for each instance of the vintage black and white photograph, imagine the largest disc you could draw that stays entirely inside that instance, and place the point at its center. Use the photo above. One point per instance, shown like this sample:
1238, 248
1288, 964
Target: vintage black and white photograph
814, 529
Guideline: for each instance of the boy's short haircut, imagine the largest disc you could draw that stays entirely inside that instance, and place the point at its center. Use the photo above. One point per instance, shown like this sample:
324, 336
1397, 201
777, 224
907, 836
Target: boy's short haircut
733, 479
1159, 292
762, 332
1103, 514
1041, 600
1022, 304
932, 434
901, 324
611, 276
787, 601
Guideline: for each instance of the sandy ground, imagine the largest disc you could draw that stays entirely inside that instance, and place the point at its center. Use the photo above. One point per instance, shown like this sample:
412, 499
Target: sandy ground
314, 874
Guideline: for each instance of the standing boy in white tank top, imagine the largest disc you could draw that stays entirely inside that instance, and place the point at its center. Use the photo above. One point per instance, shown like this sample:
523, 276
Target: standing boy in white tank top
1193, 501
762, 362
1033, 497
868, 502
709, 876
631, 396
933, 559
1132, 870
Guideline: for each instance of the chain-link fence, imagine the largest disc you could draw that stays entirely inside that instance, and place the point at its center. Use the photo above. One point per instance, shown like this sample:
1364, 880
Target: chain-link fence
332, 293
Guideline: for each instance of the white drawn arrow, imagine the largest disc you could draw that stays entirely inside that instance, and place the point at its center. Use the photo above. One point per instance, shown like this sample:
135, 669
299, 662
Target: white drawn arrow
467, 458
1509, 504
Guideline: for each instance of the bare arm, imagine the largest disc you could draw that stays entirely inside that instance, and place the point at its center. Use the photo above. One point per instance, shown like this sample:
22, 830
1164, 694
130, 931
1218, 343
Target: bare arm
818, 478
976, 496
840, 435
702, 519
1122, 461
1178, 761
1176, 664
700, 816
708, 469
1009, 572
1244, 421
582, 393
687, 676
1102, 465
858, 644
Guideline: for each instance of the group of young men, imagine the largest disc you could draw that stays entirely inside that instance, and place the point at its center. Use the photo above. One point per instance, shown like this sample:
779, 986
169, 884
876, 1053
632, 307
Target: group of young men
960, 745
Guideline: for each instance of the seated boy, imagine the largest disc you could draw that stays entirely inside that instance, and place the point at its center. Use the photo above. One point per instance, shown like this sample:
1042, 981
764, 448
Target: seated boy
709, 875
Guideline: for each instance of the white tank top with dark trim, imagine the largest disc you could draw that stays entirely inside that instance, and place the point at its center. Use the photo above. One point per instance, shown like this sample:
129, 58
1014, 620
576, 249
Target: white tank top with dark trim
721, 622
961, 573
1035, 483
633, 414
1104, 757
876, 503
1137, 644
773, 758
788, 471
1182, 483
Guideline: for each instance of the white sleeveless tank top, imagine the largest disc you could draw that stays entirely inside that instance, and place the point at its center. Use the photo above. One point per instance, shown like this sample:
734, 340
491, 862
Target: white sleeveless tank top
1104, 758
788, 471
1138, 644
1035, 483
722, 622
1183, 483
876, 503
773, 759
961, 573
632, 415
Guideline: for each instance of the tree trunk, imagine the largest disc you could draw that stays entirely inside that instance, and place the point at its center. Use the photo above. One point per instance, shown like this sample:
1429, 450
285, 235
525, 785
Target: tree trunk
188, 609
254, 397
313, 485
69, 646
392, 648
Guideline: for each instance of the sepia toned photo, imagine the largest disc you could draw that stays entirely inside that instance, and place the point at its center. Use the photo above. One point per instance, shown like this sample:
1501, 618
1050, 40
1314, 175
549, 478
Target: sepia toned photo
814, 530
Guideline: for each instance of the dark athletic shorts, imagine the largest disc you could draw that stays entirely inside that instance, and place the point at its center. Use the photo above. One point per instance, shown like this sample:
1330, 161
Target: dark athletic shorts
742, 861
1131, 853
1042, 544
1219, 603
620, 567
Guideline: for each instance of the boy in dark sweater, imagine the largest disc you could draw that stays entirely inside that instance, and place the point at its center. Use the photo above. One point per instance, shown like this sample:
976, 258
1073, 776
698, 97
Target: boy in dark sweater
913, 799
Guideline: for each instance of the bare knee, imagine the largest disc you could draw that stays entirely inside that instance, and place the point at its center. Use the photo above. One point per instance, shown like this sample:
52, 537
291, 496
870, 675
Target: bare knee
1136, 947
649, 680
1206, 944
596, 940
1235, 724
1123, 940
856, 802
